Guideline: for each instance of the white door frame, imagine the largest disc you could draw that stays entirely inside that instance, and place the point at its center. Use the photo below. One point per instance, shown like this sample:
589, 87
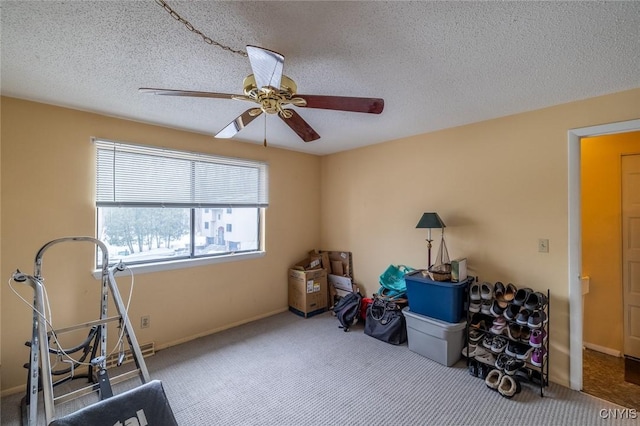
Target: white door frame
575, 240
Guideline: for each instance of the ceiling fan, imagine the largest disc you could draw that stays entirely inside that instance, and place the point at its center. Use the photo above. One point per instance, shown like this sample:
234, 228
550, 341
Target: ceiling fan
272, 91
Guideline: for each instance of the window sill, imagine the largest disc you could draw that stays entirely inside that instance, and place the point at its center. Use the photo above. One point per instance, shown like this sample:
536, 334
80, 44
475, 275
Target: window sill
186, 263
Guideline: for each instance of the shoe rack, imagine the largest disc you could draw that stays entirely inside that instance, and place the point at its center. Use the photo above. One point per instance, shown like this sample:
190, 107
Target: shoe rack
510, 326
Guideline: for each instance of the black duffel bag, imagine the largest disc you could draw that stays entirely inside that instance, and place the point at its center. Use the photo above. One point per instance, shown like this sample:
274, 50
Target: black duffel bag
385, 321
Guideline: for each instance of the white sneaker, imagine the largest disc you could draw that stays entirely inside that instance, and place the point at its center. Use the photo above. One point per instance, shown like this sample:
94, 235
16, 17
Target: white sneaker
474, 291
486, 291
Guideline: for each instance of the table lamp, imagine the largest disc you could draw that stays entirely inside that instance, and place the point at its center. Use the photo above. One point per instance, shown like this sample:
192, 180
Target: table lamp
430, 221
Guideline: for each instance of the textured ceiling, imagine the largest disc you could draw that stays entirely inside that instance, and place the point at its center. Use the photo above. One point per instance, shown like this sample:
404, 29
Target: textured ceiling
436, 64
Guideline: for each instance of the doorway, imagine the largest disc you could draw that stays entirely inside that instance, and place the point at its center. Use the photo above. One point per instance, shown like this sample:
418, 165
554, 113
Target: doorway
575, 241
609, 184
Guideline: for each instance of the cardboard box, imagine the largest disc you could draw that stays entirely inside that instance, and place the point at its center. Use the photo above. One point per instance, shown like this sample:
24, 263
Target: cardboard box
307, 291
340, 283
340, 263
310, 263
324, 257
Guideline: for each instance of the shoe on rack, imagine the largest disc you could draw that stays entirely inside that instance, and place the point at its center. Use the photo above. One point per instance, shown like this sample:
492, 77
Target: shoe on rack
501, 361
498, 326
544, 317
535, 319
474, 291
473, 368
483, 370
521, 296
498, 291
480, 351
486, 291
532, 301
498, 329
538, 356
475, 336
508, 386
485, 307
474, 306
523, 374
485, 358
510, 292
525, 335
477, 321
487, 341
469, 351
512, 366
513, 331
511, 312
518, 350
499, 322
498, 344
493, 379
541, 300
523, 351
537, 338
523, 317
497, 308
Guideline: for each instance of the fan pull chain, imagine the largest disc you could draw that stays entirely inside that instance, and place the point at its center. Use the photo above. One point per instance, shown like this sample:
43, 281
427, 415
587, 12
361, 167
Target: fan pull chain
265, 130
191, 28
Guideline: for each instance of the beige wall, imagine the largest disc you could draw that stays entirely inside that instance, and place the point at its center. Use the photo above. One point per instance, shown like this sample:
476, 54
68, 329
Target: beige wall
601, 236
48, 175
499, 186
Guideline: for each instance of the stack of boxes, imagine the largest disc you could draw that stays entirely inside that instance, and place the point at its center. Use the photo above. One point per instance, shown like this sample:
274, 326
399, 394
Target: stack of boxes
313, 281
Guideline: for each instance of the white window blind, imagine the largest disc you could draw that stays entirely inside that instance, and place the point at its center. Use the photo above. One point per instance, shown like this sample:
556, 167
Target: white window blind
140, 176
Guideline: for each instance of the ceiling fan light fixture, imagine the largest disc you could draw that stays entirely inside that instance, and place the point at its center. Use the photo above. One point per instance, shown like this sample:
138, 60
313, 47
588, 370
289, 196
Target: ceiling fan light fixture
272, 91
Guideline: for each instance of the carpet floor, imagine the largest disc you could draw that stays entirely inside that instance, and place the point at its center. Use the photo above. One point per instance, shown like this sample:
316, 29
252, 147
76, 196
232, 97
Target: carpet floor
286, 370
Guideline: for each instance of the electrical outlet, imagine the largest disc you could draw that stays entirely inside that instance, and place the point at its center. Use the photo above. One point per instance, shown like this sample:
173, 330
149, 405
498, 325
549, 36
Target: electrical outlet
145, 321
543, 245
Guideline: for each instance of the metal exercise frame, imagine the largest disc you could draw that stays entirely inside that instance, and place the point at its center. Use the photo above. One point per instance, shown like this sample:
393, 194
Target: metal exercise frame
40, 373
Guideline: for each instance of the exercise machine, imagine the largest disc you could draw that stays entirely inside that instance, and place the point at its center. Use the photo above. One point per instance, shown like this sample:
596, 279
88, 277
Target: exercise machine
41, 375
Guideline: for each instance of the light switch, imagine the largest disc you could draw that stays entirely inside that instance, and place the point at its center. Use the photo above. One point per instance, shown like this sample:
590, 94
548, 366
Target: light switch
543, 245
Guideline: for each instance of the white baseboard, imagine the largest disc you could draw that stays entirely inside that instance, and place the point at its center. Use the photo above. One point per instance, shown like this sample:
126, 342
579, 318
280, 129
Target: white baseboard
603, 349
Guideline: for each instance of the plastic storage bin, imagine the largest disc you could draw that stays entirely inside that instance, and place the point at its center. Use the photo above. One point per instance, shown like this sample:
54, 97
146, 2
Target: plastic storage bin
443, 300
438, 340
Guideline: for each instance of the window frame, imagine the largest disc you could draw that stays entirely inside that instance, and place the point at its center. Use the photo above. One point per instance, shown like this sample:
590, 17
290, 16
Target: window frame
193, 259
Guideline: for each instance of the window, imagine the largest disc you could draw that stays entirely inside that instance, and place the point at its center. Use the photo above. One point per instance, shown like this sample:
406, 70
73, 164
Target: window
229, 227
229, 211
154, 204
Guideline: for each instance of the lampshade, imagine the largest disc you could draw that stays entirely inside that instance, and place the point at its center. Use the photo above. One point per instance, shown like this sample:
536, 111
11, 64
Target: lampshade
430, 220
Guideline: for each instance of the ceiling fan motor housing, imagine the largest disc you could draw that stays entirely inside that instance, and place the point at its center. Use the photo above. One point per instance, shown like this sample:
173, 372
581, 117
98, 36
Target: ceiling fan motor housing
270, 98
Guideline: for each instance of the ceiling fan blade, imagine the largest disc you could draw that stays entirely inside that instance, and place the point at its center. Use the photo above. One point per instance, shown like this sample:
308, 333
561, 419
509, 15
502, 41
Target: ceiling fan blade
170, 92
344, 103
231, 129
267, 66
300, 126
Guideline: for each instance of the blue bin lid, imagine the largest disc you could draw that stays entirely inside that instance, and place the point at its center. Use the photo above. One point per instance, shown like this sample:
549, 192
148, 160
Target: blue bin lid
417, 276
